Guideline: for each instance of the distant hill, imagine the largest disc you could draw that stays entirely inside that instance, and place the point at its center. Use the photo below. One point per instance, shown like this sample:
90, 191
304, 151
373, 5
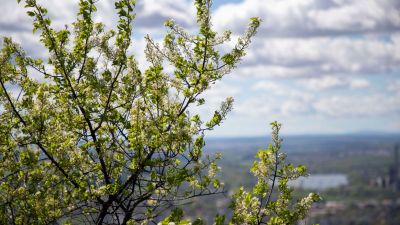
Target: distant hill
301, 143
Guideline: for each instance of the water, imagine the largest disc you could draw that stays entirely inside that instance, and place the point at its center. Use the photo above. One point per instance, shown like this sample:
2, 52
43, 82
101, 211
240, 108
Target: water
320, 181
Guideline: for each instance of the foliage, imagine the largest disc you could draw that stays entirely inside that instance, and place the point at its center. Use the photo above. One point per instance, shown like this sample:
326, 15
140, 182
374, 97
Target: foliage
87, 137
260, 206
257, 207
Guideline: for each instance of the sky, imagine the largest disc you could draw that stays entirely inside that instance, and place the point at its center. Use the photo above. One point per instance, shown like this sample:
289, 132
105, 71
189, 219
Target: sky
316, 66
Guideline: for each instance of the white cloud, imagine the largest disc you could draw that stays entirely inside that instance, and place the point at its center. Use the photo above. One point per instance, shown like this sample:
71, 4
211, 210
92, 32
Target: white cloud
322, 83
267, 86
312, 17
149, 13
214, 96
274, 89
153, 13
257, 70
359, 83
273, 107
283, 57
150, 16
394, 86
13, 17
258, 107
277, 100
329, 82
339, 106
220, 91
361, 105
294, 57
296, 107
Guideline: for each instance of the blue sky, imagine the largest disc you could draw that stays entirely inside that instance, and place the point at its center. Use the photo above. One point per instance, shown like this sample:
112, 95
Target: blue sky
319, 67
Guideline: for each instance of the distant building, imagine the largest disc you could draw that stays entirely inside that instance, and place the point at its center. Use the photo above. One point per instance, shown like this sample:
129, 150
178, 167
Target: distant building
392, 179
394, 172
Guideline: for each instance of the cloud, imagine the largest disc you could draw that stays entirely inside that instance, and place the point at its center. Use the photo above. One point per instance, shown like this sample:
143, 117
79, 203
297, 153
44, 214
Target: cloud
153, 13
331, 106
267, 86
220, 91
13, 18
359, 83
330, 82
290, 101
149, 13
394, 86
322, 83
269, 57
275, 89
276, 99
214, 96
296, 107
297, 57
311, 38
308, 18
361, 105
246, 71
273, 107
150, 16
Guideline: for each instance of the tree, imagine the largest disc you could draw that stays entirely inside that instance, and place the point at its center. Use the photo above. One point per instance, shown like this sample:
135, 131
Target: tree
102, 142
257, 207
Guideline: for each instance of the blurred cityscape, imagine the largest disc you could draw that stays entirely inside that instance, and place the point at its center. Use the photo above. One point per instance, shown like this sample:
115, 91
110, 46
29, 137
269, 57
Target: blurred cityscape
356, 175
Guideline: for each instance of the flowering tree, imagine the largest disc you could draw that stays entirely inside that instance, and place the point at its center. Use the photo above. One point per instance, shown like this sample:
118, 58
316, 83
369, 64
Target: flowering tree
102, 142
257, 207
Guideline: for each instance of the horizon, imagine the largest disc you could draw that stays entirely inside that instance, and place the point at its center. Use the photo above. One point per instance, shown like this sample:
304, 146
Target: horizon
289, 135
